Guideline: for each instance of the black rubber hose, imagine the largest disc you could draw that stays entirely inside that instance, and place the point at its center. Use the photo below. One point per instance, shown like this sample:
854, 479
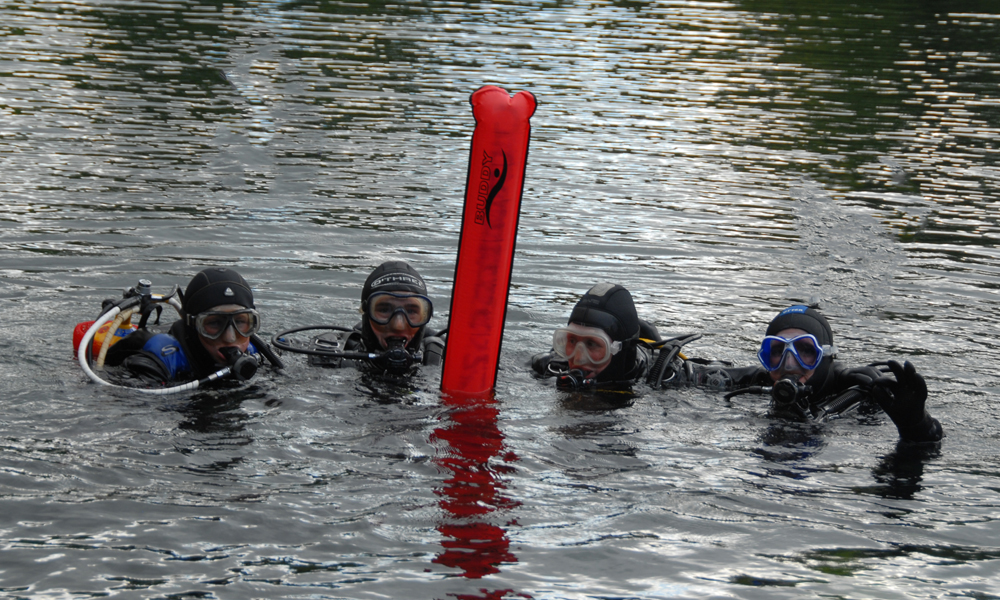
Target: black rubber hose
264, 349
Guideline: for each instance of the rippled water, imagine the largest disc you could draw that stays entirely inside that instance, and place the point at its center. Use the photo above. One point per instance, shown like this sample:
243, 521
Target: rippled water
720, 159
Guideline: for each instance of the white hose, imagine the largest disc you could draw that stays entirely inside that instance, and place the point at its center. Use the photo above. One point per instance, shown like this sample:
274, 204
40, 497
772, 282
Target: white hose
85, 344
108, 316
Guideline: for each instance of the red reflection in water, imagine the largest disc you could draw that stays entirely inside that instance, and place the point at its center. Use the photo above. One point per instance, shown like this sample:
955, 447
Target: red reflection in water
474, 542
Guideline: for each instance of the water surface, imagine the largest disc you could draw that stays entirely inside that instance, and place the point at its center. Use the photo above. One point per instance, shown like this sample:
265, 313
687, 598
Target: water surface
720, 159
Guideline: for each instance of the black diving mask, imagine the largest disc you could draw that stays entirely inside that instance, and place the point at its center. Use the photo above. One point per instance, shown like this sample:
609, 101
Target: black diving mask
382, 307
211, 324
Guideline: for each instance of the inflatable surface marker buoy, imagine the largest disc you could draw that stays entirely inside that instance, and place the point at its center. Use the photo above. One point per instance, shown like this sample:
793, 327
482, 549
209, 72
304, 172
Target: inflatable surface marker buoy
486, 246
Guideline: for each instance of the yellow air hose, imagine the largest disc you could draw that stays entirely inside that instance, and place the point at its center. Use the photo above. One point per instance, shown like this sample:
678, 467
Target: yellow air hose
106, 343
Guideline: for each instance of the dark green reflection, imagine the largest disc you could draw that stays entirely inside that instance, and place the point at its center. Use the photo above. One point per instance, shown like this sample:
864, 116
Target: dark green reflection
894, 95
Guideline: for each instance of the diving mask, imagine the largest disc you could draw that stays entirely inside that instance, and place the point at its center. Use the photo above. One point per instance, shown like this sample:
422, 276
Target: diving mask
582, 345
211, 324
382, 307
806, 349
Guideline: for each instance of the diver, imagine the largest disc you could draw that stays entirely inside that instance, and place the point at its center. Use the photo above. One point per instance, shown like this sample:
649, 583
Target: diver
799, 371
217, 331
392, 337
604, 345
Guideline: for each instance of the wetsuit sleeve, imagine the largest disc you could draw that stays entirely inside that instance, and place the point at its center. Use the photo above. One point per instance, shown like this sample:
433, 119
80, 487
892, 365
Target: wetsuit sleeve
132, 344
147, 367
165, 350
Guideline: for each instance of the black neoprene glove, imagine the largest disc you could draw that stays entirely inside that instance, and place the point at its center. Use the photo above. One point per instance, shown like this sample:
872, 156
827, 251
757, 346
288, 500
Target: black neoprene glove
540, 363
859, 376
903, 397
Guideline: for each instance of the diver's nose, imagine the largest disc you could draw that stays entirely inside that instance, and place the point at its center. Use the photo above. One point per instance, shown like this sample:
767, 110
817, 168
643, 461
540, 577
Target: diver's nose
789, 363
398, 322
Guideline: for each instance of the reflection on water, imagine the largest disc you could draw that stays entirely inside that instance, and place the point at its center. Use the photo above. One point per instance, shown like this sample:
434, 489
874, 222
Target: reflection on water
475, 490
721, 159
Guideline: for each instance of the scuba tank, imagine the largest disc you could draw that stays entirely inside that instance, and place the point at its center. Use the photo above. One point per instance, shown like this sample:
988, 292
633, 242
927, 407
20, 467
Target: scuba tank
116, 336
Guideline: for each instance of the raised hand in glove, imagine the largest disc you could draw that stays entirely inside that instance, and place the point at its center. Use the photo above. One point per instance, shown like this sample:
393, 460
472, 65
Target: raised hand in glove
903, 397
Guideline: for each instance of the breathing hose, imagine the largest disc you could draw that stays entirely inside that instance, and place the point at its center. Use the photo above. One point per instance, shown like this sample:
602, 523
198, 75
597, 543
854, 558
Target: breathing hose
841, 403
277, 340
395, 359
264, 349
754, 389
664, 359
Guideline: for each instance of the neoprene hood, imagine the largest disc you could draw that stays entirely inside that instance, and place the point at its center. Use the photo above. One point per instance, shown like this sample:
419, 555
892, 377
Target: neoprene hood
609, 307
393, 276
805, 318
216, 286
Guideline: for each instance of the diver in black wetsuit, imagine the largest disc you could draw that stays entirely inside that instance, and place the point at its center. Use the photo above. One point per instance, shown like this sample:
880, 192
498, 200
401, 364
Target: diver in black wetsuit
392, 337
799, 371
602, 346
218, 328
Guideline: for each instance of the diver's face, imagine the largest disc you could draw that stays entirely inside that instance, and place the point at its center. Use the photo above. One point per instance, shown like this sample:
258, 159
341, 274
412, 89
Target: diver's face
586, 349
789, 366
230, 337
396, 330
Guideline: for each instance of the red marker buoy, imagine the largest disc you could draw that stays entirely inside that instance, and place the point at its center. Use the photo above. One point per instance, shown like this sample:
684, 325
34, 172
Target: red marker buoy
486, 246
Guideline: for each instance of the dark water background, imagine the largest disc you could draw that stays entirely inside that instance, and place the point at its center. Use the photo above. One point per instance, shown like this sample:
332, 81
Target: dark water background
720, 159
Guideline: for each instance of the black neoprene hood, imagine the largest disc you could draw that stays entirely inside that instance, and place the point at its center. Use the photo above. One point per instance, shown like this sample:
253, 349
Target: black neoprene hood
393, 276
805, 318
216, 286
609, 307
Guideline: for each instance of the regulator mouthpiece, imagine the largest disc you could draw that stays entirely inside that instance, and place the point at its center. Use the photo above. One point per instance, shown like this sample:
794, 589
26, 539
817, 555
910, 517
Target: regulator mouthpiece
242, 366
788, 393
574, 380
397, 358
